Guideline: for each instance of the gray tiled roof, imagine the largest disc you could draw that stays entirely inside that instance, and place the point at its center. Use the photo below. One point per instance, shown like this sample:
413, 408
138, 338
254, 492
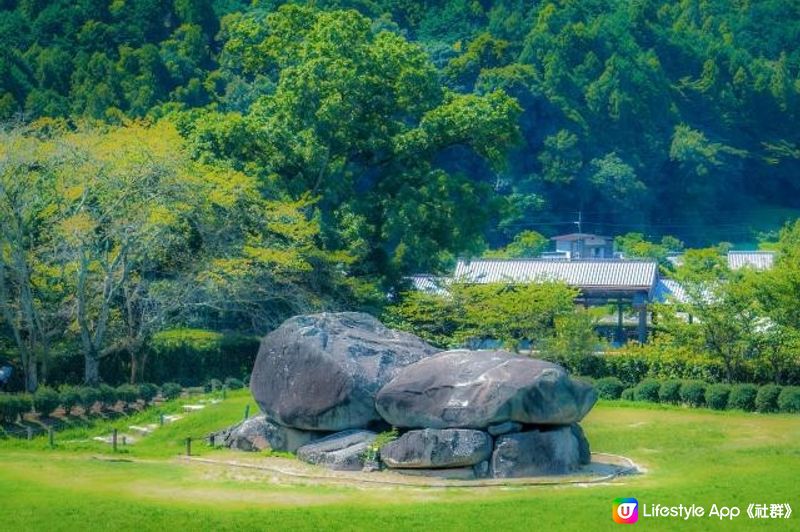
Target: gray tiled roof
430, 284
759, 260
609, 274
668, 290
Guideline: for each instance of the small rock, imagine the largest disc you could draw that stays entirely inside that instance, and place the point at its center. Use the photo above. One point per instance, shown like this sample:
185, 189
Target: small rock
434, 448
343, 451
583, 444
258, 434
481, 469
504, 428
536, 453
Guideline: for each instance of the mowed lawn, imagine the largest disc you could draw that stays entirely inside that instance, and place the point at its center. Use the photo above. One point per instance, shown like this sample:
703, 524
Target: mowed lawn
690, 456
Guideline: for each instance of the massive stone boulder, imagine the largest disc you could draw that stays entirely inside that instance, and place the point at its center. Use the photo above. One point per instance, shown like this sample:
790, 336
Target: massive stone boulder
344, 451
258, 434
321, 372
476, 389
435, 448
554, 451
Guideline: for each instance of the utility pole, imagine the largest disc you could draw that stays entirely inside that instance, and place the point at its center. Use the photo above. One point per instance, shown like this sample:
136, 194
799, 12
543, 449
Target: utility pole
580, 222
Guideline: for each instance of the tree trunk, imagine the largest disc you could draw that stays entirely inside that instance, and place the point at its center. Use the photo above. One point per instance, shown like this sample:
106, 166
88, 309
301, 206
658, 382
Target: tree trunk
91, 370
31, 376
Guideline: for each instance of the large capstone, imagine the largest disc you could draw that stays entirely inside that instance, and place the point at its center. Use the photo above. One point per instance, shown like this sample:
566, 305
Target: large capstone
321, 372
258, 434
343, 451
434, 448
476, 389
552, 451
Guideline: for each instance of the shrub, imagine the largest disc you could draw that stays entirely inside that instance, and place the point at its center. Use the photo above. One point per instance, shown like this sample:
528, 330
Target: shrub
627, 394
717, 396
789, 399
127, 393
693, 393
147, 391
233, 383
12, 406
609, 387
106, 394
647, 390
213, 385
670, 391
45, 400
171, 390
70, 397
89, 396
743, 397
767, 398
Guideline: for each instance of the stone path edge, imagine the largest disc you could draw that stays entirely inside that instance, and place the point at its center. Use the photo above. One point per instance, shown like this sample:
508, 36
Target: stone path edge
624, 468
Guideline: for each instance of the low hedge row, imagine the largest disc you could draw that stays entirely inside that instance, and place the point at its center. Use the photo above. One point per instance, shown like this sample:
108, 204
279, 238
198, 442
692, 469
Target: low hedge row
633, 365
748, 397
46, 400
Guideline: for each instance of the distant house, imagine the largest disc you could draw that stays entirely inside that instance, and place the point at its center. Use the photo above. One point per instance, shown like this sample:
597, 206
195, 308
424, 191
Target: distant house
585, 246
601, 282
758, 260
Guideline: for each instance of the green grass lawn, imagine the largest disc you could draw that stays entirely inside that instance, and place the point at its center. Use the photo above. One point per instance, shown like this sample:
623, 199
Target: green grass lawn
691, 456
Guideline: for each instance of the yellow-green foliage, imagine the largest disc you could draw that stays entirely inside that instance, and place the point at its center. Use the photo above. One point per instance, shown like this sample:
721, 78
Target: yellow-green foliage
469, 312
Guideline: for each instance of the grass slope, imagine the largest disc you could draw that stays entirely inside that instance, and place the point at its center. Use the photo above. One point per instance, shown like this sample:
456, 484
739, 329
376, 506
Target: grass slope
692, 456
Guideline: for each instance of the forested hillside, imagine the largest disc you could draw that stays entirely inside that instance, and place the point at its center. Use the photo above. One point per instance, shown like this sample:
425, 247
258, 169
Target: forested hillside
662, 117
221, 164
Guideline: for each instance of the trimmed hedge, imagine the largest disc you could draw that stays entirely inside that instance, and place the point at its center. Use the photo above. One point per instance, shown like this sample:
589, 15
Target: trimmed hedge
233, 383
45, 400
647, 390
171, 390
213, 385
127, 393
609, 387
627, 394
70, 397
147, 391
14, 405
767, 398
670, 392
717, 396
106, 394
743, 397
693, 393
89, 396
789, 399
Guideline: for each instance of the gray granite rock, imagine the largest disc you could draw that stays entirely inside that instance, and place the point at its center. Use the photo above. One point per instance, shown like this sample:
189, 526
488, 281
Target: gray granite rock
437, 448
506, 427
476, 389
343, 451
536, 453
258, 434
321, 372
584, 451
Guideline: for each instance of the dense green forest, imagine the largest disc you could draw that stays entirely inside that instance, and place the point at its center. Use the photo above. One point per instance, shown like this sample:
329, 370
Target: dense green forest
652, 116
222, 165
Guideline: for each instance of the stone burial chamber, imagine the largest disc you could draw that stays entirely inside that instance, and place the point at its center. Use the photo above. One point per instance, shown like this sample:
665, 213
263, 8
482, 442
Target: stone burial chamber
331, 385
